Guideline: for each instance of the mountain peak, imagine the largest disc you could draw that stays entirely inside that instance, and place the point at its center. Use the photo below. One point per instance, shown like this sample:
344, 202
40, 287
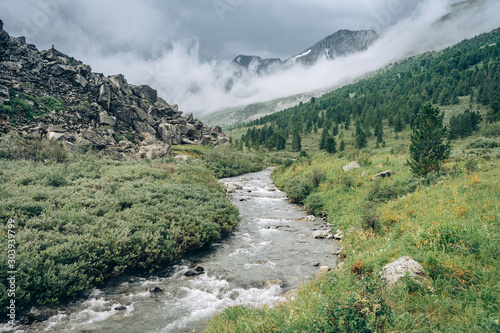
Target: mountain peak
338, 44
260, 64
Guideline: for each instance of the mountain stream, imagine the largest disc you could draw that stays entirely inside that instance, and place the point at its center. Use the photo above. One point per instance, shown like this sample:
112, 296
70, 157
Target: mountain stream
270, 253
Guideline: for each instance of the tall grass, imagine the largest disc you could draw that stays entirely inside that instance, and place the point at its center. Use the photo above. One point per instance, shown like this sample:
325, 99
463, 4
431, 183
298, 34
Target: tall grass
449, 222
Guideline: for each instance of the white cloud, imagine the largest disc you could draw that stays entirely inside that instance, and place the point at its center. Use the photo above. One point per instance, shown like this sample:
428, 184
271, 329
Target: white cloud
152, 44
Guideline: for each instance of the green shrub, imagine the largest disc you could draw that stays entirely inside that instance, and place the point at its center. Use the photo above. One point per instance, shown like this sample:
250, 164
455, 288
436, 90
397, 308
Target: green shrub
471, 165
491, 130
484, 143
298, 188
56, 180
360, 310
83, 222
51, 103
227, 162
14, 147
315, 205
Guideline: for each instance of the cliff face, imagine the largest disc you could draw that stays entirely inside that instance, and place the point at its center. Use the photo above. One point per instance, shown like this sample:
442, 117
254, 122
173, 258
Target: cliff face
49, 95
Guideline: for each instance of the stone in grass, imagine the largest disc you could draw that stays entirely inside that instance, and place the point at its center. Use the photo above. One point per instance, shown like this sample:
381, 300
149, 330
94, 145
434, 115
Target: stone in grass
351, 166
384, 174
339, 235
325, 269
397, 270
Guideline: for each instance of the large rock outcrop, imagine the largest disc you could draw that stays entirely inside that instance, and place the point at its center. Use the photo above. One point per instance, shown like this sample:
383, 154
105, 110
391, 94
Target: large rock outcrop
103, 112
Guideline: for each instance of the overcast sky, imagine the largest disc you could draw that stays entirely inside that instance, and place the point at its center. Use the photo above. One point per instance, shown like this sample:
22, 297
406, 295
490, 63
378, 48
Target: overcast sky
223, 28
183, 48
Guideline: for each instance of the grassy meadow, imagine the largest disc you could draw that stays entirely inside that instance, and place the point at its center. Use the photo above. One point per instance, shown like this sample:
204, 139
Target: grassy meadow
449, 222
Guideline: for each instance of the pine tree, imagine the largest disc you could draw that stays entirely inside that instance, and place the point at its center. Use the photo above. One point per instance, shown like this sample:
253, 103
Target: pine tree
335, 130
322, 141
296, 141
428, 149
361, 141
342, 145
331, 145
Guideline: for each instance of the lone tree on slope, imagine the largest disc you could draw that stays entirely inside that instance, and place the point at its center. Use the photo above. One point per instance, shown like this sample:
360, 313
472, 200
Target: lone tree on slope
428, 149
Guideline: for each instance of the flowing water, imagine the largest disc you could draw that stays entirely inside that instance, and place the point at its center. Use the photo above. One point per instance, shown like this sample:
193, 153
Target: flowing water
270, 253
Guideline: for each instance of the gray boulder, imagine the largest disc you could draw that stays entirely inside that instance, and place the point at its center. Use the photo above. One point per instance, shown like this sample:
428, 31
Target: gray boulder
392, 273
351, 166
93, 139
197, 270
169, 134
153, 151
233, 187
144, 128
104, 98
321, 234
120, 82
106, 119
146, 92
62, 70
388, 173
4, 95
80, 81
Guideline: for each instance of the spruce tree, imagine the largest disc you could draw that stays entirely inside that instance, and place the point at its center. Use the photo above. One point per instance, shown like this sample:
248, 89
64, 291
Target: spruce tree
342, 145
361, 141
330, 145
428, 148
296, 141
322, 141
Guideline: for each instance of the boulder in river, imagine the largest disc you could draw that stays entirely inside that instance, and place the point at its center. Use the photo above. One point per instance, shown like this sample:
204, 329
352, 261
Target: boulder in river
338, 235
321, 234
198, 270
154, 289
309, 218
233, 187
273, 282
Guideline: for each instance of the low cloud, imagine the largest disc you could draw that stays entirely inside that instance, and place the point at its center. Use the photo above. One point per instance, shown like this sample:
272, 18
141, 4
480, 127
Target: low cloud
201, 87
151, 45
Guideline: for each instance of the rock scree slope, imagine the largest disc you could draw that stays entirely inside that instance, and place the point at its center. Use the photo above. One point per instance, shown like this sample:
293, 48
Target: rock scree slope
106, 113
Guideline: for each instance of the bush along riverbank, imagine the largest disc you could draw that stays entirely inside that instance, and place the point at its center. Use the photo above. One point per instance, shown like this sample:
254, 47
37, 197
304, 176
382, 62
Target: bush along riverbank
81, 219
448, 223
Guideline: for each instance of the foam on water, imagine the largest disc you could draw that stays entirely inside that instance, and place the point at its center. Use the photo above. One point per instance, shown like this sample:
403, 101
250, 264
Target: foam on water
252, 250
209, 295
95, 310
269, 232
269, 264
262, 222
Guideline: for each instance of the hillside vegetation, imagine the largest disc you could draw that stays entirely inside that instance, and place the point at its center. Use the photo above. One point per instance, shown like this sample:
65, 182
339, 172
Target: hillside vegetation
464, 80
81, 219
448, 221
